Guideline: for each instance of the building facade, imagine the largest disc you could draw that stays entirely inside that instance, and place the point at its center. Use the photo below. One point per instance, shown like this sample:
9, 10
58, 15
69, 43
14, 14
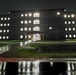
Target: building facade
49, 24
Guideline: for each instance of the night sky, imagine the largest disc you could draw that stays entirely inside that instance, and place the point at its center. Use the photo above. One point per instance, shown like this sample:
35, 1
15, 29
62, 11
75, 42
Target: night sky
9, 5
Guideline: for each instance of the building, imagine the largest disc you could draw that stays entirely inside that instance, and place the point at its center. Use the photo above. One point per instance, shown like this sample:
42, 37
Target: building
46, 24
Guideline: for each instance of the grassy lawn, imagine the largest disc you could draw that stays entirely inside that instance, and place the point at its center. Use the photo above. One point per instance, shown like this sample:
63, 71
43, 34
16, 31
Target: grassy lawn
44, 49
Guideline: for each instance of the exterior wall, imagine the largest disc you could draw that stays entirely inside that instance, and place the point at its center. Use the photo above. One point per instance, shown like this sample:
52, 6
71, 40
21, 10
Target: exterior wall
55, 24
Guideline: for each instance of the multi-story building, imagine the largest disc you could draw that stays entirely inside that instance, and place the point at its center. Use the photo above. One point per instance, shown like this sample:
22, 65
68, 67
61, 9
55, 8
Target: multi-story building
49, 24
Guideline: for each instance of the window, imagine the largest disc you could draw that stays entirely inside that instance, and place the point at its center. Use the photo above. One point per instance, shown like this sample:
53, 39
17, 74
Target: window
3, 37
0, 31
72, 15
29, 21
73, 22
1, 18
8, 24
30, 14
36, 21
29, 29
66, 36
65, 29
5, 18
73, 29
50, 28
7, 30
21, 22
22, 15
58, 13
65, 16
29, 36
65, 22
21, 29
5, 24
74, 35
25, 15
69, 29
25, 36
21, 36
69, 22
4, 31
25, 29
1, 25
70, 36
0, 37
26, 21
68, 16
37, 14
8, 18
7, 37
36, 28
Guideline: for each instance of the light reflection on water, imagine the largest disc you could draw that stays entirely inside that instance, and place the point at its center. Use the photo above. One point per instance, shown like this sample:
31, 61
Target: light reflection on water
38, 68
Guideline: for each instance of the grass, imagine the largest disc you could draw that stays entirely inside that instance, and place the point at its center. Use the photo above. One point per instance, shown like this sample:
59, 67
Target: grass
44, 50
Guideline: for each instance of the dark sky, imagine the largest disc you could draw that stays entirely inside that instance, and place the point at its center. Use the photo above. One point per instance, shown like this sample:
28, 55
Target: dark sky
7, 5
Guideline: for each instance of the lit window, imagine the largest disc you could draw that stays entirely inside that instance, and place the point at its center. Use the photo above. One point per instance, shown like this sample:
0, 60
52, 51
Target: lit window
66, 36
3, 37
50, 28
0, 31
21, 36
22, 15
69, 22
1, 18
29, 21
26, 15
68, 16
73, 22
7, 30
21, 29
25, 29
21, 22
26, 22
1, 24
72, 15
7, 37
30, 14
74, 35
65, 29
70, 36
64, 9
5, 18
4, 24
65, 16
8, 18
36, 29
69, 29
0, 37
4, 31
29, 29
25, 36
58, 13
36, 14
65, 22
29, 36
73, 29
8, 24
36, 21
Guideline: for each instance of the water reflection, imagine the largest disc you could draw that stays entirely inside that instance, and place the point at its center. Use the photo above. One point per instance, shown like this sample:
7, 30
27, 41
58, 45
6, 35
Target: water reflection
37, 68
